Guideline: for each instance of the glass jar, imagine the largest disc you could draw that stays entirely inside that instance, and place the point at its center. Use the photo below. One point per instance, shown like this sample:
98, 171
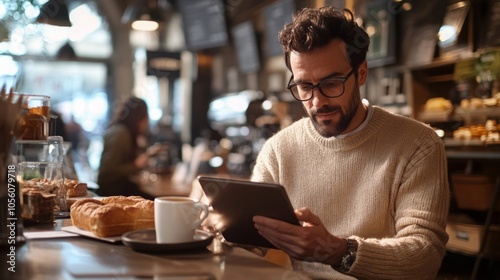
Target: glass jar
42, 191
35, 117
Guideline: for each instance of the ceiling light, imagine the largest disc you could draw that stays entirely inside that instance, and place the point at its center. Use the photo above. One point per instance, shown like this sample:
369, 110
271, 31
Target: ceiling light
144, 15
145, 25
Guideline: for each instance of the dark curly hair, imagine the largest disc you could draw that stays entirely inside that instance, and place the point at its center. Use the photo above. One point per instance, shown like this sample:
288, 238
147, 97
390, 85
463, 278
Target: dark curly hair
314, 28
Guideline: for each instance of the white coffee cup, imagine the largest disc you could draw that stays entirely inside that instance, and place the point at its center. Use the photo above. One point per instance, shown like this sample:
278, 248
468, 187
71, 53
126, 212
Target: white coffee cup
176, 218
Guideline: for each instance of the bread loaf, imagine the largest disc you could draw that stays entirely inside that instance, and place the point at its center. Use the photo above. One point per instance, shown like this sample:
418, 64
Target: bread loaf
113, 216
438, 104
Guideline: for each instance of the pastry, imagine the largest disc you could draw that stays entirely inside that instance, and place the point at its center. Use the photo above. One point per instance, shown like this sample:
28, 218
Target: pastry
75, 188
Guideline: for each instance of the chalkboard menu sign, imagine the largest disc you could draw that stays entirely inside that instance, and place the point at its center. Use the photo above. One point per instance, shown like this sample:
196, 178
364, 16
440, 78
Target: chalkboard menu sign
246, 47
163, 64
276, 16
204, 23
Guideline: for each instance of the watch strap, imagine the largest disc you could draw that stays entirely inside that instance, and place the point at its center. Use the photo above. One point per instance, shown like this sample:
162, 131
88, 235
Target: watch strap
349, 257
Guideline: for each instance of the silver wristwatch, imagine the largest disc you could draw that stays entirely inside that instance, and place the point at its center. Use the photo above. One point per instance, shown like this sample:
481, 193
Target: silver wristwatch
350, 256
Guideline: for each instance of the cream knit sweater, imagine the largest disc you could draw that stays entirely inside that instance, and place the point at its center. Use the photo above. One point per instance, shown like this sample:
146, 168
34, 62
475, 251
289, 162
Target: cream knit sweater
385, 186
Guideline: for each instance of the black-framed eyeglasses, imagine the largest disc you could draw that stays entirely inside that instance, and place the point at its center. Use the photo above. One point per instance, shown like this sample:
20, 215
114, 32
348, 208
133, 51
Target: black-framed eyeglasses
331, 87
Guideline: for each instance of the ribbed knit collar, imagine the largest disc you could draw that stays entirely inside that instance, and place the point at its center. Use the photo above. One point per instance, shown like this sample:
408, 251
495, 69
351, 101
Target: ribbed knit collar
375, 124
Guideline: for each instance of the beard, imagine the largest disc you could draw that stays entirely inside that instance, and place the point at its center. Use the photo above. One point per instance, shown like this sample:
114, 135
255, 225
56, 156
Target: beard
329, 128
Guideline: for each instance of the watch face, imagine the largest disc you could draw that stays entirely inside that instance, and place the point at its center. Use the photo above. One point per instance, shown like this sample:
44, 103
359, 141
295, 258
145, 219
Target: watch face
350, 260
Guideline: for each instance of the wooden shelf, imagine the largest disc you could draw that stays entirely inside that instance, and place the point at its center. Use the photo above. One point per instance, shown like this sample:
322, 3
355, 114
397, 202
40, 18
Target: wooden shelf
459, 114
439, 78
478, 112
434, 64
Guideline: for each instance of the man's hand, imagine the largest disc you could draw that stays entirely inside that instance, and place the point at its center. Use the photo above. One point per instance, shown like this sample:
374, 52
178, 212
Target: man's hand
310, 242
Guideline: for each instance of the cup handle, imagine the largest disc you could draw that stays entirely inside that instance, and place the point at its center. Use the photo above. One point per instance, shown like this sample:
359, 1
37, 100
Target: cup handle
203, 213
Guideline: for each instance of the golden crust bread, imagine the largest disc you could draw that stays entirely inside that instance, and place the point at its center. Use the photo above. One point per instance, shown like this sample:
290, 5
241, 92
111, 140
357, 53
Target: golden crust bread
123, 200
438, 104
113, 216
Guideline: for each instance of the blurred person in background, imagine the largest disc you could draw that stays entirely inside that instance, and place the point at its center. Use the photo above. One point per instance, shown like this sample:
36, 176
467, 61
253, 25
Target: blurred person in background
121, 156
76, 135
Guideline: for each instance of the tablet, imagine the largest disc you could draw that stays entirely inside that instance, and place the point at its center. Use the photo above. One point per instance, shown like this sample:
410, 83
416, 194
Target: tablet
235, 202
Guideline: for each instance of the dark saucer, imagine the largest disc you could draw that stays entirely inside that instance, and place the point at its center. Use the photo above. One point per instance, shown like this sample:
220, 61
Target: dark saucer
145, 241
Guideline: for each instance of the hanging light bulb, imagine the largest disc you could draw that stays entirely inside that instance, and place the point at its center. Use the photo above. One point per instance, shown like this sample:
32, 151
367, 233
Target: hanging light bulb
143, 15
145, 25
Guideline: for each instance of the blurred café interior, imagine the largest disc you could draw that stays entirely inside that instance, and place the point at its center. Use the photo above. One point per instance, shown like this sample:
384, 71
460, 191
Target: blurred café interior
214, 80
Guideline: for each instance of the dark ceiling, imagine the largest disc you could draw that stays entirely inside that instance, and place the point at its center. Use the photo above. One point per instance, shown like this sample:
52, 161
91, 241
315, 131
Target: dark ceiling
236, 11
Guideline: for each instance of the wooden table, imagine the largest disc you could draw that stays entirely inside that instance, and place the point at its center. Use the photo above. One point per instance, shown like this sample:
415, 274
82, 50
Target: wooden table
176, 184
87, 258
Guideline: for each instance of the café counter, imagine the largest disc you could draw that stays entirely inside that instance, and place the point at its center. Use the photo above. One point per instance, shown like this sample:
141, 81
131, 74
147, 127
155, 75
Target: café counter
79, 257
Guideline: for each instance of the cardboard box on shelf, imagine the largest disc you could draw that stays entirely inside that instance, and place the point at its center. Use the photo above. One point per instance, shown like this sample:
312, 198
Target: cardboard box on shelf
466, 237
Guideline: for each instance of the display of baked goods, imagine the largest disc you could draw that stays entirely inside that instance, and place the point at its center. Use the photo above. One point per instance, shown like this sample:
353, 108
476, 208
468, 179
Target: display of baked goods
479, 107
113, 215
475, 103
487, 133
472, 103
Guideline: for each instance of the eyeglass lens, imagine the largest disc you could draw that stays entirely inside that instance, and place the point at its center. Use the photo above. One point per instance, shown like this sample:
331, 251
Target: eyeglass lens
330, 87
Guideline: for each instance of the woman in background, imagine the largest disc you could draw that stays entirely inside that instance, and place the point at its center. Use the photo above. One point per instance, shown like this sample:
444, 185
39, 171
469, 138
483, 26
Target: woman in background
121, 157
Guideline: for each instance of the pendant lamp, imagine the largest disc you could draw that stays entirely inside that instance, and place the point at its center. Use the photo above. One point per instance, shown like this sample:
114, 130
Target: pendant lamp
54, 12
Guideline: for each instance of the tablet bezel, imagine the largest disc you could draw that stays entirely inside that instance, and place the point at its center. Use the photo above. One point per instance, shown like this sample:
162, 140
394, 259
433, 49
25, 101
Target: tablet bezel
248, 199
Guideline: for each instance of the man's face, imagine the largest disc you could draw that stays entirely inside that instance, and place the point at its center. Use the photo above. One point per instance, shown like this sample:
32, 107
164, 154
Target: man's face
330, 116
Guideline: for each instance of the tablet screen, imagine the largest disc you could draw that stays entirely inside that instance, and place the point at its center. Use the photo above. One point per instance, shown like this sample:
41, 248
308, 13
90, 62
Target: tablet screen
235, 202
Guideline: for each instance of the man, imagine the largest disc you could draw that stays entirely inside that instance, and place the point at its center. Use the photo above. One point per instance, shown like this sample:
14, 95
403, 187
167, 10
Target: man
373, 185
